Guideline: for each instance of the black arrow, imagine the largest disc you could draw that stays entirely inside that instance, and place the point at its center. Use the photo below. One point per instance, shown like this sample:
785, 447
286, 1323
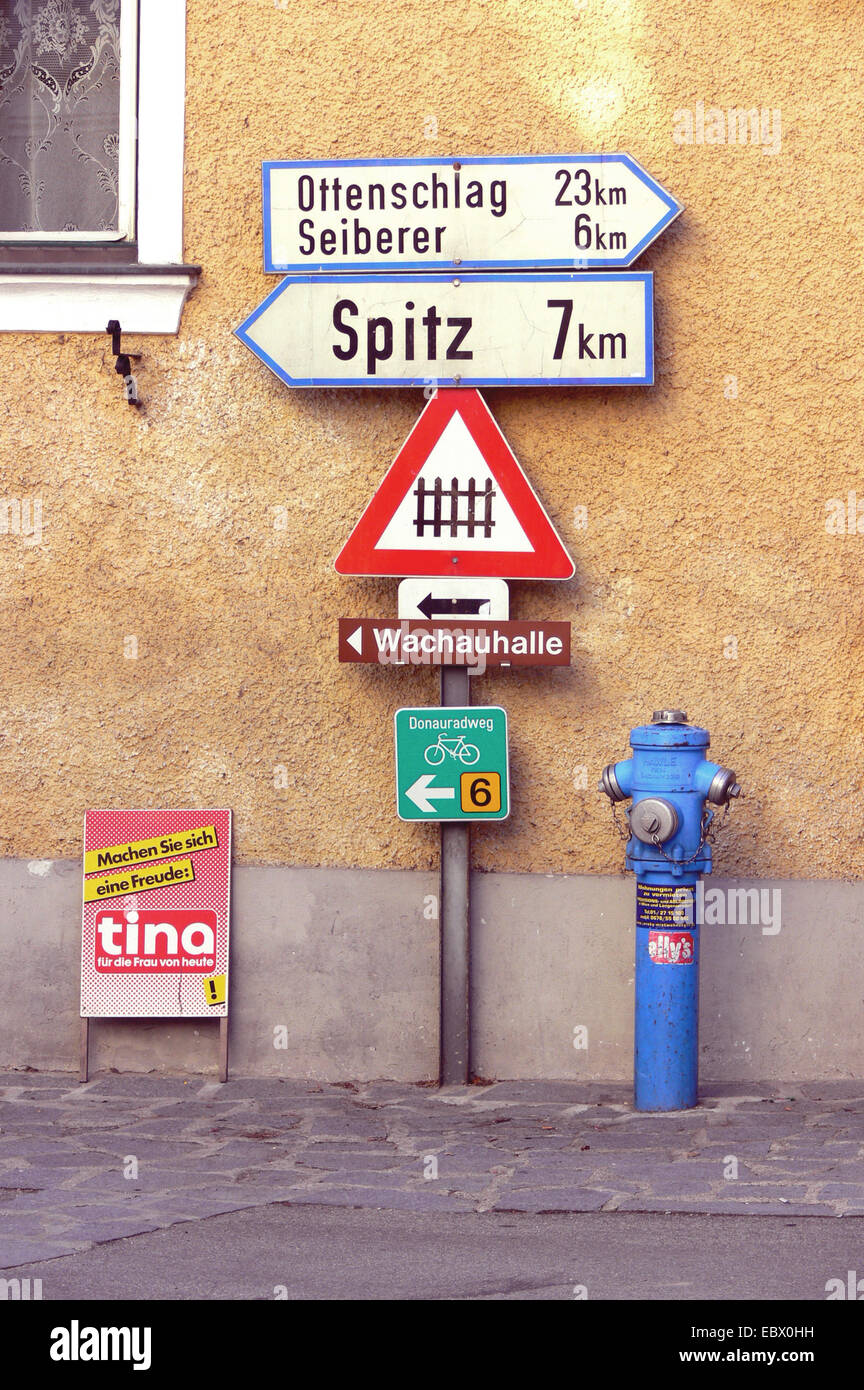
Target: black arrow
432, 605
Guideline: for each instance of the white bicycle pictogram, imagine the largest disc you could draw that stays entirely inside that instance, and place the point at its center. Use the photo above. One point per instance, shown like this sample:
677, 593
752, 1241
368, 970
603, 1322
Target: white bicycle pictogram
467, 753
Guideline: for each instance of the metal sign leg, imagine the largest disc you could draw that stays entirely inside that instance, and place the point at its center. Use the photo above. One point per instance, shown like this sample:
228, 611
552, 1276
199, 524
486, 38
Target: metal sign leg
453, 910
84, 1066
223, 1048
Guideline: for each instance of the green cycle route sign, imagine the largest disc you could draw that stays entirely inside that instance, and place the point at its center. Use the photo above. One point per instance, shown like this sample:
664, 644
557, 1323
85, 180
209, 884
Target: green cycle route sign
452, 763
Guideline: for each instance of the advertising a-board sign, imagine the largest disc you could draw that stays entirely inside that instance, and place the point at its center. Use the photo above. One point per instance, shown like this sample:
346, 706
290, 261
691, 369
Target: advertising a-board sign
154, 940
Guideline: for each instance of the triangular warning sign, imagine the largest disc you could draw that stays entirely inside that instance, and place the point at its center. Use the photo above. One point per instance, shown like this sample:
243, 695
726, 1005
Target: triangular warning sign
456, 502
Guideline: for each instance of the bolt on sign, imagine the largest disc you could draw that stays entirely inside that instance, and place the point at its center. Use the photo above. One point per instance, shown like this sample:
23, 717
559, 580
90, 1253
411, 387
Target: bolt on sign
452, 763
154, 940
514, 329
519, 211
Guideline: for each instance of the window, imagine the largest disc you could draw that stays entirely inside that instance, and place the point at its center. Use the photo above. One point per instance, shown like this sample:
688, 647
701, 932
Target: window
92, 97
67, 119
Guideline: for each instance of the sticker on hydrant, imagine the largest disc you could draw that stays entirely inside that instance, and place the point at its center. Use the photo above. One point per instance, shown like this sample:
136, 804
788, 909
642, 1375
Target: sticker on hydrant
668, 905
670, 947
665, 908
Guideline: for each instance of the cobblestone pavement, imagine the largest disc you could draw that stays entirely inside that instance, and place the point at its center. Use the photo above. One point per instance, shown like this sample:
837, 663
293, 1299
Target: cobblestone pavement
126, 1154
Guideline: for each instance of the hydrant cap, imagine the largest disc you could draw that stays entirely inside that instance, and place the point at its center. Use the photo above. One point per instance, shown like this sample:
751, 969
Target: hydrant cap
669, 729
669, 716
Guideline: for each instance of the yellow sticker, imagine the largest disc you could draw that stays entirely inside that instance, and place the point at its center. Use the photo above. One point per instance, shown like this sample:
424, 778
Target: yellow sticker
480, 791
214, 989
133, 852
118, 885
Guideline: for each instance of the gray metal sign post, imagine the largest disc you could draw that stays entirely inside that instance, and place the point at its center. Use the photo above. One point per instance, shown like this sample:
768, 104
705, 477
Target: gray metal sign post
454, 901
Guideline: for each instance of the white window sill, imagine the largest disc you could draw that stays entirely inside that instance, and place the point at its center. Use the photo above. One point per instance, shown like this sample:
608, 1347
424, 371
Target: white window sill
144, 300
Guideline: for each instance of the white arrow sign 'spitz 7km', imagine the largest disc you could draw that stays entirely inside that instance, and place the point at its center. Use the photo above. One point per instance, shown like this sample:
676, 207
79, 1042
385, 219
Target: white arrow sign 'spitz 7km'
590, 329
519, 211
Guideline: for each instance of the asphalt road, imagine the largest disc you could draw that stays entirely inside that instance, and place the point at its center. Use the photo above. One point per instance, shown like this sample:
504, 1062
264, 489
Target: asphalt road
326, 1252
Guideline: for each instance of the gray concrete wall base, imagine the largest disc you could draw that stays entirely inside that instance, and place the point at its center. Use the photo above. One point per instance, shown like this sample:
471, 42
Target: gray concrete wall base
342, 965
553, 954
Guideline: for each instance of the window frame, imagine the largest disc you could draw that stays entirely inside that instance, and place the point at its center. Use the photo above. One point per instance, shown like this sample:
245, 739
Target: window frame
76, 287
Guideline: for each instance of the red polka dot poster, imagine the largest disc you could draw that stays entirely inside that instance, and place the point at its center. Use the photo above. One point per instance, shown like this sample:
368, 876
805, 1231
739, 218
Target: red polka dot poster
157, 886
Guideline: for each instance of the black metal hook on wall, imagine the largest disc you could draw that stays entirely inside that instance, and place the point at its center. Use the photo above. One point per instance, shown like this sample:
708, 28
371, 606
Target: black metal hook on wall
123, 362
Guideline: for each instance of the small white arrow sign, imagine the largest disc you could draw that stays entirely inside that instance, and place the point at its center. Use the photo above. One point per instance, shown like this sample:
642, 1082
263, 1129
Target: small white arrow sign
356, 641
422, 790
453, 598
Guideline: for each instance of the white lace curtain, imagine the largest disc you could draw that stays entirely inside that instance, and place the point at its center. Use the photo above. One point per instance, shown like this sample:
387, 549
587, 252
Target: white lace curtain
59, 115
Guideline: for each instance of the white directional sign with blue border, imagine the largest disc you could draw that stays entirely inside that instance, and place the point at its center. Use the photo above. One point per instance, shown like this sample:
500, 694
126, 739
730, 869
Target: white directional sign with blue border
519, 329
575, 211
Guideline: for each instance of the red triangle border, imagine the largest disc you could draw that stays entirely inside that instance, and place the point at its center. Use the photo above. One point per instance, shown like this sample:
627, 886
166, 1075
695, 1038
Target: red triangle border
549, 558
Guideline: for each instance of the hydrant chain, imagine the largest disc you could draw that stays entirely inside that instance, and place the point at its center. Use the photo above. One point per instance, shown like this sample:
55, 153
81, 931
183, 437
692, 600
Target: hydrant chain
707, 817
622, 833
710, 829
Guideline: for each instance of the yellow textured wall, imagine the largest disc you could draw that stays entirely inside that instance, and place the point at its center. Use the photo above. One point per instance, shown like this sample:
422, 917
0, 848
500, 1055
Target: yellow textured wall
706, 495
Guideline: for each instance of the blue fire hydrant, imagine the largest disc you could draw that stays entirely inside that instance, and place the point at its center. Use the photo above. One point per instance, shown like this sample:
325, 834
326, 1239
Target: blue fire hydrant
673, 789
